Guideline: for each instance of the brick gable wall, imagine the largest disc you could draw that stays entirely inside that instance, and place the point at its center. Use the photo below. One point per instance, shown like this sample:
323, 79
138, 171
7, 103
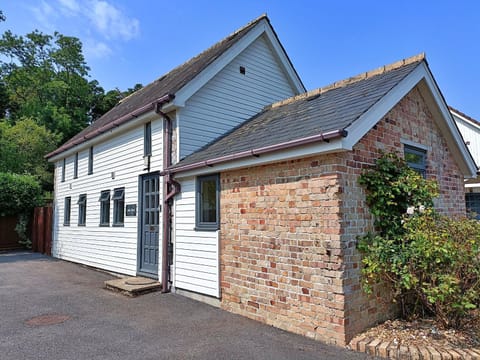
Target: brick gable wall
288, 230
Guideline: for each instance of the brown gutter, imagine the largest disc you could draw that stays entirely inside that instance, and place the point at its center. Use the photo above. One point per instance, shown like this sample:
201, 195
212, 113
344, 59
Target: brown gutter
121, 120
257, 152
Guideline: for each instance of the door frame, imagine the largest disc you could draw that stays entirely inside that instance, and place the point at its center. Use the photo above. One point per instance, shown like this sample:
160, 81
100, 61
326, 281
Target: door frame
140, 224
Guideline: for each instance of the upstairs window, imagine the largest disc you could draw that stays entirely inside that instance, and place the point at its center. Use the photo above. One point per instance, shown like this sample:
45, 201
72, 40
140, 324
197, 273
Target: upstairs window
147, 140
67, 211
416, 158
207, 215
64, 164
90, 160
104, 208
82, 209
118, 206
75, 166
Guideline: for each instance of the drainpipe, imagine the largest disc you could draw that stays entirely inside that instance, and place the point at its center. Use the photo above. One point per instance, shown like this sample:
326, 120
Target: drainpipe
170, 189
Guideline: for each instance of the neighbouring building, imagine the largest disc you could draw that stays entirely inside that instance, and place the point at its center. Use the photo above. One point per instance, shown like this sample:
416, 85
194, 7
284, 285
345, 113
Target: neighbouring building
229, 183
470, 130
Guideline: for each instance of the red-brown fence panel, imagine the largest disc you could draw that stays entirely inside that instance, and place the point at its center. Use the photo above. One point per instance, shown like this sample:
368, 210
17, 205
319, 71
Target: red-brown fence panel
42, 230
8, 236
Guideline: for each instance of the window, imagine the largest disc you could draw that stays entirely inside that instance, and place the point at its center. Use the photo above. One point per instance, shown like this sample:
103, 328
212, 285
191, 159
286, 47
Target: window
207, 215
472, 201
90, 160
75, 166
416, 158
118, 206
66, 211
63, 169
82, 209
147, 140
104, 208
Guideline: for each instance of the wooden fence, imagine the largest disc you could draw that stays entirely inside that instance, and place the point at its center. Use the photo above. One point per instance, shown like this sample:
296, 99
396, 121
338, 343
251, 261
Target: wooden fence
42, 230
8, 236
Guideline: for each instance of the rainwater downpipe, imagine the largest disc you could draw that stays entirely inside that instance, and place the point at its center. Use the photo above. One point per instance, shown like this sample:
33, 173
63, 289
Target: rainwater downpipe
170, 189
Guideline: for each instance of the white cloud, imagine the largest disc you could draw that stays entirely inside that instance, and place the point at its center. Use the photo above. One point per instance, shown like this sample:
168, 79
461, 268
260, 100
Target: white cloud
70, 7
111, 22
96, 49
44, 14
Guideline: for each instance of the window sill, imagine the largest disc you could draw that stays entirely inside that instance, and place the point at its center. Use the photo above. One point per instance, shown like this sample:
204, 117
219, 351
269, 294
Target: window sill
211, 229
104, 225
118, 225
66, 224
81, 224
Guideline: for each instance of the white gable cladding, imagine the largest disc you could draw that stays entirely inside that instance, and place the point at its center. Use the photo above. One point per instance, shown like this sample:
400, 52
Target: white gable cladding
110, 248
196, 254
470, 132
230, 97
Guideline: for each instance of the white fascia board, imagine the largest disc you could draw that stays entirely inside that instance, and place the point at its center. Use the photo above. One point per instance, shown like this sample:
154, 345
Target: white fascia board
467, 122
373, 115
298, 152
182, 95
144, 118
361, 126
450, 122
284, 61
472, 185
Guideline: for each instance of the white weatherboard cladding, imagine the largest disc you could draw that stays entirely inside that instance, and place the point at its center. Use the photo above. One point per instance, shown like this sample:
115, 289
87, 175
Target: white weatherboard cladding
196, 252
470, 133
110, 248
231, 97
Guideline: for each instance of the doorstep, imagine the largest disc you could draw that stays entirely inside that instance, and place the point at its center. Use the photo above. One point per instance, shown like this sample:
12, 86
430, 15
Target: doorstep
133, 286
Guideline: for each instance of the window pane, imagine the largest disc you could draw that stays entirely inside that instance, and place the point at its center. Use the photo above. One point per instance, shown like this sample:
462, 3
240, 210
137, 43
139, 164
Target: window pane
208, 208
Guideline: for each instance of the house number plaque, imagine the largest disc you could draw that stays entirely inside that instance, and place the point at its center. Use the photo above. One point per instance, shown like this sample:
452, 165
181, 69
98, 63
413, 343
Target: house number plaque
131, 210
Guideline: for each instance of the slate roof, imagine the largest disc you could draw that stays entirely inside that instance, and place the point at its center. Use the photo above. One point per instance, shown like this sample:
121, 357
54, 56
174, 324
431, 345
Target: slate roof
169, 83
321, 111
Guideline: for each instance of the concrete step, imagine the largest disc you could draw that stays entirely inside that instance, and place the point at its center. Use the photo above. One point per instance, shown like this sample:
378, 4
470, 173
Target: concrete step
133, 286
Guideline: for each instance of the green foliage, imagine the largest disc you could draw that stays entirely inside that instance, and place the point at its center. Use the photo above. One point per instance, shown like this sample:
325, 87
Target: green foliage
18, 193
431, 262
23, 148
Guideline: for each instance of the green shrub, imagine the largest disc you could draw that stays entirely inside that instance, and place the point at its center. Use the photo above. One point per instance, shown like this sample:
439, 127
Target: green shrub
431, 262
19, 194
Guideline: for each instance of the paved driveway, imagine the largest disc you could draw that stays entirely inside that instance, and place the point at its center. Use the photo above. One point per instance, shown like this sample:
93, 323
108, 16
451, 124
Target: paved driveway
106, 325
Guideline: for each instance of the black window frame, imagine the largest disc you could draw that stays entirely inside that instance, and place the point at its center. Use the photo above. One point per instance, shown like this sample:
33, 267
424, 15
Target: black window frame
118, 206
147, 140
204, 225
67, 209
90, 160
421, 167
64, 165
82, 209
75, 166
104, 200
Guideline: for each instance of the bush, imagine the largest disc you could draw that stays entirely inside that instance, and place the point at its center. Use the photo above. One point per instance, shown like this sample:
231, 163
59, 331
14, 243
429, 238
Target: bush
431, 262
19, 194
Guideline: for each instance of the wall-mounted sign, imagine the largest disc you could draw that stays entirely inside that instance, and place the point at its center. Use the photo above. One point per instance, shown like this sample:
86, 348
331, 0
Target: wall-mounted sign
131, 210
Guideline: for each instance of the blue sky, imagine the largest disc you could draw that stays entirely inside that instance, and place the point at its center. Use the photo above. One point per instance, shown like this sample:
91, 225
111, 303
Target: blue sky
128, 42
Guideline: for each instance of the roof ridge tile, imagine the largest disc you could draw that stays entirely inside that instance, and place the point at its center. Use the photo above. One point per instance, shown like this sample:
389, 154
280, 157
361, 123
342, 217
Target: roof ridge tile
353, 79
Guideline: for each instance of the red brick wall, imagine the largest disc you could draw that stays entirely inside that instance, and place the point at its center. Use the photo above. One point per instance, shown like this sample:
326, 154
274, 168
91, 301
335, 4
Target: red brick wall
288, 232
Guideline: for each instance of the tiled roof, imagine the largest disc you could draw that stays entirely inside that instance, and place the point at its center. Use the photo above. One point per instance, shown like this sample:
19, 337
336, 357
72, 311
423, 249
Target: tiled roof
326, 110
167, 84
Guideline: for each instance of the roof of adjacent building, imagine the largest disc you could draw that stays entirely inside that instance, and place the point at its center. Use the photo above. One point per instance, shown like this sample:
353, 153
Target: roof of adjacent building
465, 116
327, 110
163, 88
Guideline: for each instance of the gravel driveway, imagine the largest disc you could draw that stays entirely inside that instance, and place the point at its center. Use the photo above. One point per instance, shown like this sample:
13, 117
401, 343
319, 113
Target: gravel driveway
84, 321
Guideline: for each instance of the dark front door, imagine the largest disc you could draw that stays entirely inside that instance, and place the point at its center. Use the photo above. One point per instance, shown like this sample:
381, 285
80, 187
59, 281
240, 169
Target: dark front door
149, 225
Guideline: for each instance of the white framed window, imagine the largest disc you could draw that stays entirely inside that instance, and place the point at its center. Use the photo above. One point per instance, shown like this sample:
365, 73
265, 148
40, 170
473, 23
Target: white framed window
67, 210
82, 209
416, 158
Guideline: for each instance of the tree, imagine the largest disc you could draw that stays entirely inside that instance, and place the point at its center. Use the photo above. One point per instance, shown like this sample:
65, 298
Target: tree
24, 145
45, 77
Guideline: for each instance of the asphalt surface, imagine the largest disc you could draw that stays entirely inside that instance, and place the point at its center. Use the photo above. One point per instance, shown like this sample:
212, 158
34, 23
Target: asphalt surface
108, 325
